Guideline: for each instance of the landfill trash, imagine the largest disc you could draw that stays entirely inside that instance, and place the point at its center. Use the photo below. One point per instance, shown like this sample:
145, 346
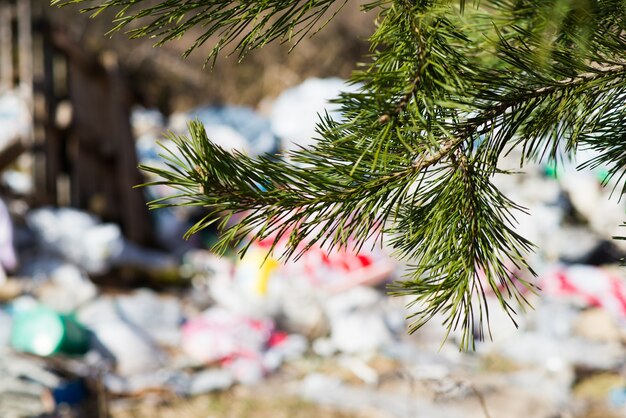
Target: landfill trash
248, 347
6, 323
283, 347
302, 309
295, 113
77, 236
352, 312
22, 303
134, 384
210, 380
247, 368
159, 264
598, 387
552, 317
219, 334
360, 369
587, 286
542, 226
597, 325
295, 292
422, 362
132, 351
181, 383
159, 317
559, 354
148, 149
39, 265
80, 238
203, 270
603, 252
608, 217
71, 392
593, 202
203, 264
34, 369
335, 271
248, 287
114, 333
567, 217
23, 398
587, 243
170, 224
548, 387
323, 347
557, 242
501, 327
254, 288
569, 165
331, 391
44, 332
67, 289
537, 190
231, 127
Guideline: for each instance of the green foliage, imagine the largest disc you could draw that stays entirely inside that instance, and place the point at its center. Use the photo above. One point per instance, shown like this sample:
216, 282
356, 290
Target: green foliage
446, 92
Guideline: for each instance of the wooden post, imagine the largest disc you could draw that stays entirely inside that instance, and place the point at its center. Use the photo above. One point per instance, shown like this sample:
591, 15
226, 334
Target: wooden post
51, 146
133, 213
25, 50
6, 46
103, 159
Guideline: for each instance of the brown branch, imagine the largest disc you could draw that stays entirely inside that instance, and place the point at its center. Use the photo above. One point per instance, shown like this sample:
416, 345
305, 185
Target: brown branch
581, 78
425, 161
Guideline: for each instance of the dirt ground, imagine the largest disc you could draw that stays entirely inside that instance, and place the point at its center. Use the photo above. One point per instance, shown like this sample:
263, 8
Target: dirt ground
232, 404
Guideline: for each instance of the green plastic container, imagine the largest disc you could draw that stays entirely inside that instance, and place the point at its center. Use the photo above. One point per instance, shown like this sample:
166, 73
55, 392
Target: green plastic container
44, 332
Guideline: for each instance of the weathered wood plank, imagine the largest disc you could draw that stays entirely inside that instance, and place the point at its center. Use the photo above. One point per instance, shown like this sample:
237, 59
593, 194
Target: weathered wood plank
6, 46
25, 49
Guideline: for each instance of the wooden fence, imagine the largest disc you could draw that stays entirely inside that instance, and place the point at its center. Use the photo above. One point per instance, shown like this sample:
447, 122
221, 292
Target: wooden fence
82, 148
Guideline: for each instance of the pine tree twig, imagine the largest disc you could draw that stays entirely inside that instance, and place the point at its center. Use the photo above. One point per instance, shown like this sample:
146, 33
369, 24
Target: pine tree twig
425, 161
614, 70
415, 83
402, 103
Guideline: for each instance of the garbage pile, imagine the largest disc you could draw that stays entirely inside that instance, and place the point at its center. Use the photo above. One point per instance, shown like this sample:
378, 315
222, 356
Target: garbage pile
66, 339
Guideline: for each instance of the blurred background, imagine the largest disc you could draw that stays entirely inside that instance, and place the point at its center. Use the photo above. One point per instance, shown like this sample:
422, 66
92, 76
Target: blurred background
105, 311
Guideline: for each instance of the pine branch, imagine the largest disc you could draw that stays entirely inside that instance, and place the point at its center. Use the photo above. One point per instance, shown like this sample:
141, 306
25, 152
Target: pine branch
245, 24
471, 128
445, 93
444, 282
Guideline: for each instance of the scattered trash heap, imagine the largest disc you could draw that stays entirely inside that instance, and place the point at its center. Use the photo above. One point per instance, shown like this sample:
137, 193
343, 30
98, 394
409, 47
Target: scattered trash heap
219, 322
